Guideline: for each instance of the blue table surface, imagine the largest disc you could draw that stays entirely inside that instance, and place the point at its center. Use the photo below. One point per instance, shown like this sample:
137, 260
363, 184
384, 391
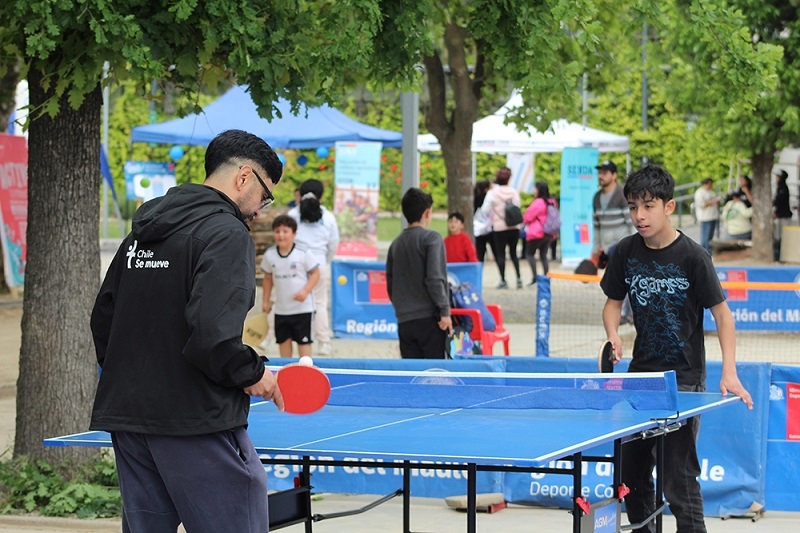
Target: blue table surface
520, 437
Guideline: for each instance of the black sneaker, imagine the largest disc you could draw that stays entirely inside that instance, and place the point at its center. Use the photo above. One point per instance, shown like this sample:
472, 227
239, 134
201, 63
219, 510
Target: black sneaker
502, 285
519, 283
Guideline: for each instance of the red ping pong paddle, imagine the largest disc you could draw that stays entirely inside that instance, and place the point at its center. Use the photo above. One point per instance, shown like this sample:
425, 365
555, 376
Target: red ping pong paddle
305, 389
605, 359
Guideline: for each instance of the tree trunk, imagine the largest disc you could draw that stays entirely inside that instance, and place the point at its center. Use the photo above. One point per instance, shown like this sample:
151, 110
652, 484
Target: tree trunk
454, 132
57, 366
761, 165
457, 155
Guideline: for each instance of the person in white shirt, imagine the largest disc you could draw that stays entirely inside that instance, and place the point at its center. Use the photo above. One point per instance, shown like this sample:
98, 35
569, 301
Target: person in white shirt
706, 208
292, 272
318, 233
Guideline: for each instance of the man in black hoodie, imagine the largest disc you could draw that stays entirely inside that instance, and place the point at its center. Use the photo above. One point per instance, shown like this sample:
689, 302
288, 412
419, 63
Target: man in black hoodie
176, 378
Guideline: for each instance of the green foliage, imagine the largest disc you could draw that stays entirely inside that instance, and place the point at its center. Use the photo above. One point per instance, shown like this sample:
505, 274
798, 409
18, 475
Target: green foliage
86, 491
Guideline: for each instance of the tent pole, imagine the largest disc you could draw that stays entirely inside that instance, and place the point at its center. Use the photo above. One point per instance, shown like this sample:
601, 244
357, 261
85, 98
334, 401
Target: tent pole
409, 107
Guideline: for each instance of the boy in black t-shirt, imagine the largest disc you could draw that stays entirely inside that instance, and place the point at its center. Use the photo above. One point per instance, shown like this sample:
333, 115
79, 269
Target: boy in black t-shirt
670, 280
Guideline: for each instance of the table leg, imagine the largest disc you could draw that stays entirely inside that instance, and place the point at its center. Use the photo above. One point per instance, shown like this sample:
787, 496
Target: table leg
659, 480
406, 497
577, 484
472, 497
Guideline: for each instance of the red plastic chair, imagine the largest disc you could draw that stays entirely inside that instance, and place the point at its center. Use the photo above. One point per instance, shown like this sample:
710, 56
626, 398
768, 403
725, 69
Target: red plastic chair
486, 338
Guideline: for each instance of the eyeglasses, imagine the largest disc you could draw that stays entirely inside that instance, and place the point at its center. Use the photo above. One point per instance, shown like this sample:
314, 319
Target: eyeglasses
267, 198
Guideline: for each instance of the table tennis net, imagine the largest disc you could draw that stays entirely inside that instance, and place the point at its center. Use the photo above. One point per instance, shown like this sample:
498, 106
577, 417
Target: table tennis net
450, 390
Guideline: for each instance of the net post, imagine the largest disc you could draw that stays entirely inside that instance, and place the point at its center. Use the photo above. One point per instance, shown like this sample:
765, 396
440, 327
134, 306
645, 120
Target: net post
544, 306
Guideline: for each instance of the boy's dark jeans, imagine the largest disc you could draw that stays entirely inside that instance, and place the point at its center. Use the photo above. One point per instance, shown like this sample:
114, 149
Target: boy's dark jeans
681, 468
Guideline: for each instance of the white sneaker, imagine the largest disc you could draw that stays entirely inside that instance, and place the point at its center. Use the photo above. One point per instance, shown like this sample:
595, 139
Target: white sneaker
325, 348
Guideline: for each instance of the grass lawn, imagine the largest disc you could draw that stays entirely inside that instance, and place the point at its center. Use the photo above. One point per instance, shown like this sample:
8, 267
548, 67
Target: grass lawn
390, 227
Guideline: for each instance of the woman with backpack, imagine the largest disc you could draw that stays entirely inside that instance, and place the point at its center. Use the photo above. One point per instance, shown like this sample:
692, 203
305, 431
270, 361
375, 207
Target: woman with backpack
536, 237
501, 205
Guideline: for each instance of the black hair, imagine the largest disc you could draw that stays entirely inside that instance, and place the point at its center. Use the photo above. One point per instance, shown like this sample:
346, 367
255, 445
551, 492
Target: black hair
456, 215
481, 188
234, 146
648, 183
284, 220
415, 201
542, 190
310, 207
747, 180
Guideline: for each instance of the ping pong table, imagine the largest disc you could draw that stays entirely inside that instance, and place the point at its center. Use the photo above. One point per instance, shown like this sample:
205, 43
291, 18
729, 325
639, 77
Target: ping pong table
498, 425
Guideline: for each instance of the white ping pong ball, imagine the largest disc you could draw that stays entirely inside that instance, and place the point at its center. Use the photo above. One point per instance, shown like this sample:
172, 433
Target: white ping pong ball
306, 361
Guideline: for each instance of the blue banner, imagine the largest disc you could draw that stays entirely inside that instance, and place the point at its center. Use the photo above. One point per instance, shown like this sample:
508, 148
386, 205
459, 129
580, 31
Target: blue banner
783, 441
760, 310
544, 306
360, 306
578, 185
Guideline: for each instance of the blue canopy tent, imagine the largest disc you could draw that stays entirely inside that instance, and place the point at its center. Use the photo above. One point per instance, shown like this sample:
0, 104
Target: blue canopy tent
320, 126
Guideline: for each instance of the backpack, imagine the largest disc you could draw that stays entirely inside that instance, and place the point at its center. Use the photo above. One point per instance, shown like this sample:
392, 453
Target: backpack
512, 214
552, 222
464, 296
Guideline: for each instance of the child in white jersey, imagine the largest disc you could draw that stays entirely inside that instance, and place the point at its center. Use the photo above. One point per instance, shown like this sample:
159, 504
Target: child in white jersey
292, 272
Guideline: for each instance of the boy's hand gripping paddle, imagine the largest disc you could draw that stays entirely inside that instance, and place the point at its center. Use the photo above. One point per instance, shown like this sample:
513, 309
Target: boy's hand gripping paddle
606, 357
305, 389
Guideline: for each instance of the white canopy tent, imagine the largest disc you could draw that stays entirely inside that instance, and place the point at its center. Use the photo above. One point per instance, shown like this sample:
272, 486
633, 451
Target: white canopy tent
492, 135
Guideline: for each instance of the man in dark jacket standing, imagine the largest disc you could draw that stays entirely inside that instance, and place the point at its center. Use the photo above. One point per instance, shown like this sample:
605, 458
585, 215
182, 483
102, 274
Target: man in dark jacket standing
781, 211
176, 379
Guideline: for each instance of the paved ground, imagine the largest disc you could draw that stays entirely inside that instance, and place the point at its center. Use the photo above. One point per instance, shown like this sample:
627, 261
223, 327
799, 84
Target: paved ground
427, 514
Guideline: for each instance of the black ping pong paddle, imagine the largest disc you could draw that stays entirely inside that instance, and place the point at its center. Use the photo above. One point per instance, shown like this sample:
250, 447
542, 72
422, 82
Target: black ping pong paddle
305, 389
606, 357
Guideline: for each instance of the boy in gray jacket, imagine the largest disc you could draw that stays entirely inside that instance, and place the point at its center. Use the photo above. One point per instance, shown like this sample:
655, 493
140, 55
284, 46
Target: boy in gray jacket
416, 279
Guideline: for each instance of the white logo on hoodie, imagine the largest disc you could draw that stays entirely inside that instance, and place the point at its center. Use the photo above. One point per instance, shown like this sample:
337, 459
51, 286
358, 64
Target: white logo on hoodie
144, 258
131, 252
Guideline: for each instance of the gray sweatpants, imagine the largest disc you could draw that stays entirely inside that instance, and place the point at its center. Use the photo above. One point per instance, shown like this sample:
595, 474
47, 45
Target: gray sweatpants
210, 483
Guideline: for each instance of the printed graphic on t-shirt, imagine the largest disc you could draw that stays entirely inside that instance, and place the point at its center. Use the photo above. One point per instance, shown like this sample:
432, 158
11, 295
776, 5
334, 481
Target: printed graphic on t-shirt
658, 294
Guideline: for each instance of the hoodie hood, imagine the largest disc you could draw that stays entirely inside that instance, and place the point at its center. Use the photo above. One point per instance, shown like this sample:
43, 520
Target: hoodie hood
180, 207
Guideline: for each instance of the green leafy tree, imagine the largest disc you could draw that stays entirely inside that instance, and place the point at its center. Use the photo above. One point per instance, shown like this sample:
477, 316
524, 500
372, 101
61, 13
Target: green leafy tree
477, 51
706, 46
304, 51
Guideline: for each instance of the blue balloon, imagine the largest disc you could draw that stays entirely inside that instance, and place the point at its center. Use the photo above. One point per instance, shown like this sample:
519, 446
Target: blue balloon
323, 152
282, 159
176, 153
302, 160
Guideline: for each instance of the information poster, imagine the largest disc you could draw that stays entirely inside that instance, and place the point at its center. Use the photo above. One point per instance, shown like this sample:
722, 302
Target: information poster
523, 174
357, 187
578, 185
14, 207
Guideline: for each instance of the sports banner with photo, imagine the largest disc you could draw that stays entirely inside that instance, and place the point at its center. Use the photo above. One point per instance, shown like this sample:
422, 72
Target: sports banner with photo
14, 207
357, 176
578, 185
360, 305
145, 180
